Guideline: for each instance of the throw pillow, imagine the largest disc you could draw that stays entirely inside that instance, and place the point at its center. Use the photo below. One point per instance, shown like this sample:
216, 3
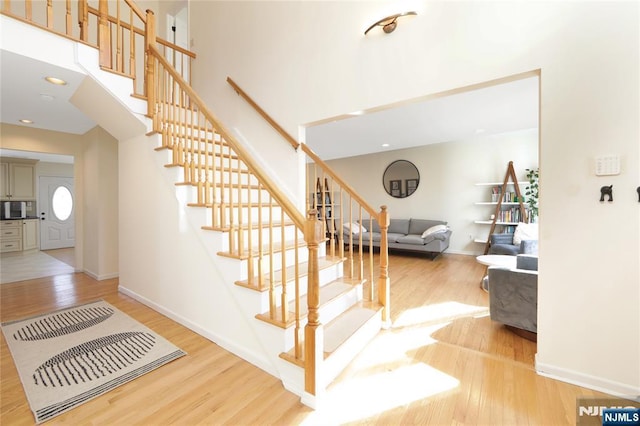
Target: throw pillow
525, 231
354, 228
434, 230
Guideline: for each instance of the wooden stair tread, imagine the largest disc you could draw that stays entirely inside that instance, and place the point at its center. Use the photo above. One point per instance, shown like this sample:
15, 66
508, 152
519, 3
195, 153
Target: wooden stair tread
339, 330
328, 292
245, 226
277, 247
303, 270
235, 204
224, 155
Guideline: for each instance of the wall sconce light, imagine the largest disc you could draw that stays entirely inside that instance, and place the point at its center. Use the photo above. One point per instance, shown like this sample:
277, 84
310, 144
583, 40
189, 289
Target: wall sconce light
389, 23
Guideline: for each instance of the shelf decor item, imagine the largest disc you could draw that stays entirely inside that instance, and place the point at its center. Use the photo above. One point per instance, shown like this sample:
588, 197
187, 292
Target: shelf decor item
531, 191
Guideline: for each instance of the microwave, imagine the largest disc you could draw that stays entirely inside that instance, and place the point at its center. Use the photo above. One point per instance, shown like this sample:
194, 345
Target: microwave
14, 209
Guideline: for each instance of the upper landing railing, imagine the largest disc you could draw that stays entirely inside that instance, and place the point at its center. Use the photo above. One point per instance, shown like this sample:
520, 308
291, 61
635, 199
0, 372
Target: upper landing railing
117, 28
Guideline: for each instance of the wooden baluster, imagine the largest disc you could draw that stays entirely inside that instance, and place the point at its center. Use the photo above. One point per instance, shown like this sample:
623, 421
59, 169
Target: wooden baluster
272, 294
283, 297
233, 210
239, 173
341, 225
249, 199
223, 197
313, 332
119, 61
208, 167
260, 240
196, 138
104, 34
7, 6
68, 20
371, 281
332, 220
28, 8
149, 41
215, 194
83, 20
361, 248
296, 332
132, 53
384, 292
351, 266
50, 14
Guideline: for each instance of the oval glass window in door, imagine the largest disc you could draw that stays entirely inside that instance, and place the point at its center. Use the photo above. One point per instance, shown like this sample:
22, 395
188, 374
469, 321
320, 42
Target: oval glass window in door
62, 203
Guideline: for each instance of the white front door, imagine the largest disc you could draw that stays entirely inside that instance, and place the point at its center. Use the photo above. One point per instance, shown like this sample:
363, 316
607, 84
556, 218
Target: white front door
56, 210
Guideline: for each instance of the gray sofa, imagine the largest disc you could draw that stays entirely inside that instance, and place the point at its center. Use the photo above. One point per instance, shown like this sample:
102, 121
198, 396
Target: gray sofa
513, 294
404, 235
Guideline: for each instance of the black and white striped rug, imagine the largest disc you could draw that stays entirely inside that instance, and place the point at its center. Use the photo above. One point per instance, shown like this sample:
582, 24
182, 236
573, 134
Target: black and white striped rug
68, 357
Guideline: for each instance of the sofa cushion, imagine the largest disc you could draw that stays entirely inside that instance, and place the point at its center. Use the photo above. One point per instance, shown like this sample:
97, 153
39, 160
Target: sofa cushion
353, 228
416, 240
369, 225
393, 237
434, 230
399, 226
507, 249
525, 231
418, 226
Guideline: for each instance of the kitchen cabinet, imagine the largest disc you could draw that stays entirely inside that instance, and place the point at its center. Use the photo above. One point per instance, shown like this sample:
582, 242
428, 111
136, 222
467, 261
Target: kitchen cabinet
30, 234
19, 235
10, 236
18, 179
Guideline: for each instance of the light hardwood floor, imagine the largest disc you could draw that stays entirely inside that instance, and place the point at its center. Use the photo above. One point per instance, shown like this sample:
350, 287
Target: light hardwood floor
442, 362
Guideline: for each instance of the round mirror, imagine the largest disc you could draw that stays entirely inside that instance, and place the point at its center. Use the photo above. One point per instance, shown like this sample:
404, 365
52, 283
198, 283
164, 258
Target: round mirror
401, 179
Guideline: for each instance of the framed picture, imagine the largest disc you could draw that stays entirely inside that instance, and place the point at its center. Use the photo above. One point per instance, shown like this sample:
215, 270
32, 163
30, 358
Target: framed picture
396, 188
412, 185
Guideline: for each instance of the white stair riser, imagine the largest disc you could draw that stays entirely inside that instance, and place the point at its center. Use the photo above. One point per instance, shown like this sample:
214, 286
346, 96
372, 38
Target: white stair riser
339, 359
327, 312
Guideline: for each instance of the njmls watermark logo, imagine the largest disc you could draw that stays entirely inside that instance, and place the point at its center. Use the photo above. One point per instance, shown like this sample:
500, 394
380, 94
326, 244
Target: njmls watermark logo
607, 412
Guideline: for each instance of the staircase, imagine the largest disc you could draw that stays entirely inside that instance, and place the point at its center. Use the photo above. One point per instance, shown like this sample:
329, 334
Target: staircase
312, 295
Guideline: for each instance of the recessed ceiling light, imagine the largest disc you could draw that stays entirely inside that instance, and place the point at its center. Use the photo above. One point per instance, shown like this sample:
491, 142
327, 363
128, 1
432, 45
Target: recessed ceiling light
385, 145
26, 121
55, 80
46, 97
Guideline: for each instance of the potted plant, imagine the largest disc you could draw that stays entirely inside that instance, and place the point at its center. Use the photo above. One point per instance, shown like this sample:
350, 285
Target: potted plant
532, 194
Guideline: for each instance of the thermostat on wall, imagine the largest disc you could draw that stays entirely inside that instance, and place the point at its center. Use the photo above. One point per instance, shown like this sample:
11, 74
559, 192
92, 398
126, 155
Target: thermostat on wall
608, 165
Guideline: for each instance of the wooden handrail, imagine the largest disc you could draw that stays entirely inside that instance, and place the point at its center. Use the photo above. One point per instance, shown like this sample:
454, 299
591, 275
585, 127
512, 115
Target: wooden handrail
137, 10
305, 148
273, 189
294, 143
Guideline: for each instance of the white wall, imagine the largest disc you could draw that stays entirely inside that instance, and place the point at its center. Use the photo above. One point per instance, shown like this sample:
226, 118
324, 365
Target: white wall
165, 263
101, 204
307, 61
448, 176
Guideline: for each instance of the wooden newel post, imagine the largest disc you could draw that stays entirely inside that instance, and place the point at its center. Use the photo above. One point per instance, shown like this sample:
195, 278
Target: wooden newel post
150, 71
104, 34
384, 289
313, 332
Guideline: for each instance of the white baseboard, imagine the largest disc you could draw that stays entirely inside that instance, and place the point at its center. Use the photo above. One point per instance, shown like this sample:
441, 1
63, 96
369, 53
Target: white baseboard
230, 346
100, 277
599, 384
